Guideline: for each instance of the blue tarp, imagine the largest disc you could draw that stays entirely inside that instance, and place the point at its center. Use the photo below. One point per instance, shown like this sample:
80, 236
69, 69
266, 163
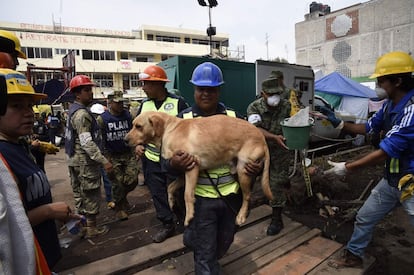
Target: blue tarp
337, 84
55, 90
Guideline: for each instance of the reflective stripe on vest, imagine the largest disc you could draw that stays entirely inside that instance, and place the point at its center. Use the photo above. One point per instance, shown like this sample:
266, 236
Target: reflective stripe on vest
169, 106
229, 113
394, 165
221, 176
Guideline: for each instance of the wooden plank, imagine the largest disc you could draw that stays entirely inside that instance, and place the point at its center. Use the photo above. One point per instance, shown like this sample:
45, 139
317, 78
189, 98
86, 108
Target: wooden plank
245, 241
303, 259
235, 254
183, 264
265, 255
264, 248
325, 269
151, 252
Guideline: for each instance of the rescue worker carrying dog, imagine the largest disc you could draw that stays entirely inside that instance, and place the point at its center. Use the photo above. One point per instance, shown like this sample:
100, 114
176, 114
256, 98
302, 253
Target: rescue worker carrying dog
85, 159
218, 199
393, 72
153, 81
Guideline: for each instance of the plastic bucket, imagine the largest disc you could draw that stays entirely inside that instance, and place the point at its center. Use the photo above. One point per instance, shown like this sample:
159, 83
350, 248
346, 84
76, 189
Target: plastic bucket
297, 137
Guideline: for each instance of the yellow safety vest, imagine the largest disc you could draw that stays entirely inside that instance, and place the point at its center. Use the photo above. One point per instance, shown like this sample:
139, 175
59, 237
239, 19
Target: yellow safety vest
220, 176
169, 106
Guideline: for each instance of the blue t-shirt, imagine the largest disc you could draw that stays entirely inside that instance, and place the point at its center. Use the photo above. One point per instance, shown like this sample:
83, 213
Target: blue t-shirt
398, 123
35, 191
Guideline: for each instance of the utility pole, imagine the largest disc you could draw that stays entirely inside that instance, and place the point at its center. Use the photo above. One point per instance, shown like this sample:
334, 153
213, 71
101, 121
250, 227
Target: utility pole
267, 46
210, 30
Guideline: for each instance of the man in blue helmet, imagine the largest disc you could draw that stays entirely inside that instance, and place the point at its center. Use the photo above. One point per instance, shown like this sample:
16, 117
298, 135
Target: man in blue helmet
211, 231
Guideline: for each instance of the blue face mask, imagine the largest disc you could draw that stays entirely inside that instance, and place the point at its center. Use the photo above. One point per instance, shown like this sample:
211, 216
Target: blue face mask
273, 100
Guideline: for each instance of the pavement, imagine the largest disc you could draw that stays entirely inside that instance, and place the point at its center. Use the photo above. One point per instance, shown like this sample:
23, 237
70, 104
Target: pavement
393, 239
123, 235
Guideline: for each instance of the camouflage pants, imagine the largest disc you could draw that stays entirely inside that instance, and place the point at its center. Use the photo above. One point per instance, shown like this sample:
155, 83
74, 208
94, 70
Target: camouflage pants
86, 183
124, 177
279, 175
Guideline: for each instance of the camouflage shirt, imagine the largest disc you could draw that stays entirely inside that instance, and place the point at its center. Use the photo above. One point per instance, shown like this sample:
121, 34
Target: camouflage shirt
87, 151
269, 119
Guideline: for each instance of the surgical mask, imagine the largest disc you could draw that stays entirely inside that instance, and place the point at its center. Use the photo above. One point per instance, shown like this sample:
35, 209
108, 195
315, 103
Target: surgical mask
273, 100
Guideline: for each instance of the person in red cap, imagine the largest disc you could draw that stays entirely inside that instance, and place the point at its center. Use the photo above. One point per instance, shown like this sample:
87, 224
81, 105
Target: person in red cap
83, 147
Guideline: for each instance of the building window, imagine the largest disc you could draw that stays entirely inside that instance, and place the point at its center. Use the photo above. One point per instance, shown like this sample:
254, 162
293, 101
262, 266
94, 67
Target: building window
109, 55
168, 38
98, 55
150, 37
60, 51
134, 80
142, 58
187, 40
38, 52
201, 42
124, 55
86, 54
104, 80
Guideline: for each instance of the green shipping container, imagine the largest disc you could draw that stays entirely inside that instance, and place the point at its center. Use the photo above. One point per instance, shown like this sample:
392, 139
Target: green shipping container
238, 90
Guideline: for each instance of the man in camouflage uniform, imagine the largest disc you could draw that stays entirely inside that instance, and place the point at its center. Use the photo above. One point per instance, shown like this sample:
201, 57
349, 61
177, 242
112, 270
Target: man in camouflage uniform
115, 123
292, 95
82, 146
266, 113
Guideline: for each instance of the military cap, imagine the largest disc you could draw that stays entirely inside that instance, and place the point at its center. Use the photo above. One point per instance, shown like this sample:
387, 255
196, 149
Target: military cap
117, 96
276, 74
271, 86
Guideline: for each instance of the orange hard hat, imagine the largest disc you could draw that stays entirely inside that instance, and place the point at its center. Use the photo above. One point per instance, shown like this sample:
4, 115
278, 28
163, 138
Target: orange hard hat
80, 80
154, 73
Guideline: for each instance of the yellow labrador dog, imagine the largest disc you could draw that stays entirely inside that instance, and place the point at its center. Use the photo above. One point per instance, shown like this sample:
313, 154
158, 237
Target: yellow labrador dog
214, 141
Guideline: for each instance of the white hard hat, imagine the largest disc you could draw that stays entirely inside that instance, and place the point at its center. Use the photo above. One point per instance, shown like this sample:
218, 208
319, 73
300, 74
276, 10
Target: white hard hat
97, 108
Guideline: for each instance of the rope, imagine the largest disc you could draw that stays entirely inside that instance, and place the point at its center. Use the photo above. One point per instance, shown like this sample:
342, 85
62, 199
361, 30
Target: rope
333, 139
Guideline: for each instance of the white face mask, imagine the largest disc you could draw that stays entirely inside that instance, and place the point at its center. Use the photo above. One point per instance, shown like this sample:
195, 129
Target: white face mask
273, 100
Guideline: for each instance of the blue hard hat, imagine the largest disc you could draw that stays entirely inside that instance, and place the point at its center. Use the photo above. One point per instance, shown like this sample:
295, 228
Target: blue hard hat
207, 74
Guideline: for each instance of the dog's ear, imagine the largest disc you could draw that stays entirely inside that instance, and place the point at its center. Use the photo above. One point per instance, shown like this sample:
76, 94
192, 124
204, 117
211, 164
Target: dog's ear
157, 123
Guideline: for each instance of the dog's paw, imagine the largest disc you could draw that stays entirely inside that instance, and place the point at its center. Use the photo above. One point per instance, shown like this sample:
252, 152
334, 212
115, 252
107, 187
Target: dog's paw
187, 220
240, 219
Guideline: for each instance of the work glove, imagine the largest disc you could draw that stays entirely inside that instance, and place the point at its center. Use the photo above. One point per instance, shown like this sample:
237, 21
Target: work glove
48, 148
330, 116
338, 169
406, 186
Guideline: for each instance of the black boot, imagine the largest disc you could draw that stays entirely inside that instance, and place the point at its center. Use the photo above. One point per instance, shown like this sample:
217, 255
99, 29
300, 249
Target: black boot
165, 232
276, 225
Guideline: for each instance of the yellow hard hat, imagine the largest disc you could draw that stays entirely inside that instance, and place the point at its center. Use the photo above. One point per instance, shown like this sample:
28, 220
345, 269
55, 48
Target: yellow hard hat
7, 36
17, 84
393, 63
36, 110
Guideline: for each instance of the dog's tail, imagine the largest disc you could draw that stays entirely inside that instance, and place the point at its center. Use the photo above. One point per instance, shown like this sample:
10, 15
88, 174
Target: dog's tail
265, 176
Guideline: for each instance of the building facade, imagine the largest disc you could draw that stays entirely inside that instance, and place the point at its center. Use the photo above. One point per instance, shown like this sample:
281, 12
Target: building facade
350, 40
111, 58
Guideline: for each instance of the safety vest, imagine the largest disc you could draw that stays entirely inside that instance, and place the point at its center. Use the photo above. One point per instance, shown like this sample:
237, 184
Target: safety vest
169, 106
220, 176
